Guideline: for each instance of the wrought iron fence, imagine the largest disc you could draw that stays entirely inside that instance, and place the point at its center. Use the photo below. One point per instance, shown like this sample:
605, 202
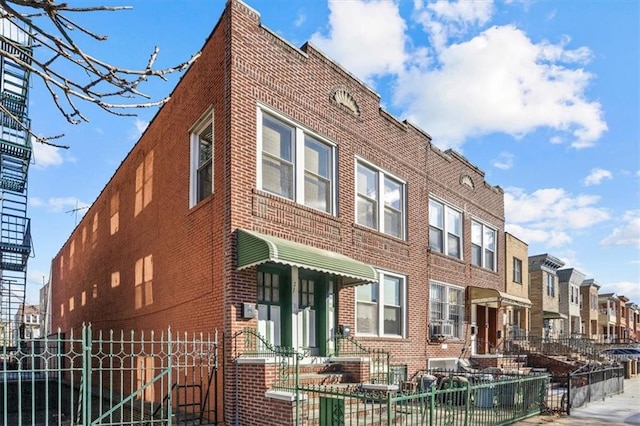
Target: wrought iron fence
379, 359
590, 383
110, 379
450, 400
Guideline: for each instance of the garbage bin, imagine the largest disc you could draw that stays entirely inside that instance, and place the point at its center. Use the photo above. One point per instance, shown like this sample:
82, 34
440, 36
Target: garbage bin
484, 395
455, 388
427, 382
507, 392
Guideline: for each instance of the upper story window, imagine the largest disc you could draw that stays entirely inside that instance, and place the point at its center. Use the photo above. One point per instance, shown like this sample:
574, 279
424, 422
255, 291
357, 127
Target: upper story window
445, 229
201, 159
446, 310
575, 294
295, 164
551, 286
483, 245
381, 307
517, 270
380, 200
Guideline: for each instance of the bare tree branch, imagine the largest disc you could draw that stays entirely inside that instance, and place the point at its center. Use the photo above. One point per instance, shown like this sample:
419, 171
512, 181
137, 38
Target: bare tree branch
46, 52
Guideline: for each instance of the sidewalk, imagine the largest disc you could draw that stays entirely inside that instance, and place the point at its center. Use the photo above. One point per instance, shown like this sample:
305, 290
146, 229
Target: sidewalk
618, 410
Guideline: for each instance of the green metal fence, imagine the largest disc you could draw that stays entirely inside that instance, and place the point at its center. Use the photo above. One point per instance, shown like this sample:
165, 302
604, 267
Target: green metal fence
379, 359
450, 401
110, 378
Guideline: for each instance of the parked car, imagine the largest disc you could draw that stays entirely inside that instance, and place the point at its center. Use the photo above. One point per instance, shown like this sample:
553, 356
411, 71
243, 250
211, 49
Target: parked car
622, 354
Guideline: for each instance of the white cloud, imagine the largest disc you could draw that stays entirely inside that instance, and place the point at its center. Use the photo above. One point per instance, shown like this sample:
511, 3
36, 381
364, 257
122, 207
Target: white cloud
626, 235
596, 176
501, 81
60, 204
46, 155
549, 216
366, 37
504, 161
623, 288
443, 20
139, 126
301, 18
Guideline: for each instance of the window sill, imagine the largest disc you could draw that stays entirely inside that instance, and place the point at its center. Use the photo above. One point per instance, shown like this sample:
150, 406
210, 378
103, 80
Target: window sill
384, 338
380, 233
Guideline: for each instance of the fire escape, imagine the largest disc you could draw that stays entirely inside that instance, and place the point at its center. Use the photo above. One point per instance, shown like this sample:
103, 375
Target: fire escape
15, 156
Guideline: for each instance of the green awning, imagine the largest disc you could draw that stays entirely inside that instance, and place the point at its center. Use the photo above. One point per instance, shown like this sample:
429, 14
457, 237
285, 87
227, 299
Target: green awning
553, 315
255, 249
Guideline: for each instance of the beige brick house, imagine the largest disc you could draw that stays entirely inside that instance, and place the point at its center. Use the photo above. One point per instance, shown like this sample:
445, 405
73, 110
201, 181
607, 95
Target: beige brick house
589, 308
544, 295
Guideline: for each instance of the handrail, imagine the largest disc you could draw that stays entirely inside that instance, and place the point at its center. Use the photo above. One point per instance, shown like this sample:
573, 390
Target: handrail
379, 359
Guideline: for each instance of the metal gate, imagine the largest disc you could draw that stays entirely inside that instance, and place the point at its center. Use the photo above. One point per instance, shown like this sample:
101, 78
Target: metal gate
111, 379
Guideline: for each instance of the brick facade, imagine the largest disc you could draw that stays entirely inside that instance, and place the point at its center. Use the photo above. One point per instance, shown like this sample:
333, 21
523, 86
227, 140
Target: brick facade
142, 258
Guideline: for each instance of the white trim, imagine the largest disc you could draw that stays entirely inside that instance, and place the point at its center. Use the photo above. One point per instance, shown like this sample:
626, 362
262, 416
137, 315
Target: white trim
447, 206
207, 118
297, 156
484, 224
380, 305
285, 396
382, 173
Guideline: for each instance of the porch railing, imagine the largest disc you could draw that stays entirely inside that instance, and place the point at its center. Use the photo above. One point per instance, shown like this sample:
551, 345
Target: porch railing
379, 359
249, 343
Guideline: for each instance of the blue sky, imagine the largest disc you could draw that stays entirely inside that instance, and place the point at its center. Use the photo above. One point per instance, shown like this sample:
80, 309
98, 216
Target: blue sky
543, 96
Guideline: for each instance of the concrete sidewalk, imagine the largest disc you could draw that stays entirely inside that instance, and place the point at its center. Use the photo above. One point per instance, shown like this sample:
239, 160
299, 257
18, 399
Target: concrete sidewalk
618, 410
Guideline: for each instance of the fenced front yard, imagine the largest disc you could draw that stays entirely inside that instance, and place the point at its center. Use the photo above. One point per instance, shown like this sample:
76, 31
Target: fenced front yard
110, 379
453, 400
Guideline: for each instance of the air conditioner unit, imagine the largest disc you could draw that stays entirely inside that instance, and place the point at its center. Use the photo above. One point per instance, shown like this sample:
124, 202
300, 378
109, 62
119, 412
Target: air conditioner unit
447, 330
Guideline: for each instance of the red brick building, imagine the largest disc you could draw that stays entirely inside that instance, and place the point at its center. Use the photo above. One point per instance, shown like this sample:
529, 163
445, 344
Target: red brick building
273, 179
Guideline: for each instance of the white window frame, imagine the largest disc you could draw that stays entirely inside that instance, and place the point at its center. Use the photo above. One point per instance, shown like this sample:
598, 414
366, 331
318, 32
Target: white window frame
446, 209
380, 303
483, 245
380, 204
457, 330
551, 285
298, 157
517, 270
195, 131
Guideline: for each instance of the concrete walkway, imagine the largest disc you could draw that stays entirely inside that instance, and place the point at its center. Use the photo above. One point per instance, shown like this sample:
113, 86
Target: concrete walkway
618, 410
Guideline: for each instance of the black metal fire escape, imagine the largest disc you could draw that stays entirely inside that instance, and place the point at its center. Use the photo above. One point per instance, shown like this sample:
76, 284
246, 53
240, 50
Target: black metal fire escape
15, 157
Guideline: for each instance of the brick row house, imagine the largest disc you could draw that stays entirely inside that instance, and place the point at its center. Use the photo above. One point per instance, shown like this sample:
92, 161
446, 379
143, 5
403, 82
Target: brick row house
273, 192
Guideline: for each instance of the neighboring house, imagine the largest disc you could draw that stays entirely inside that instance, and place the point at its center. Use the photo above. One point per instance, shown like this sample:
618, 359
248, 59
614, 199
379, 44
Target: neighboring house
517, 285
28, 320
589, 308
45, 309
272, 179
545, 296
569, 281
608, 304
634, 314
622, 324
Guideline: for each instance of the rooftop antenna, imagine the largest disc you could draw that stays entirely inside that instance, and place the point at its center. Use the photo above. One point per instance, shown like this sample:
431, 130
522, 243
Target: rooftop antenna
75, 211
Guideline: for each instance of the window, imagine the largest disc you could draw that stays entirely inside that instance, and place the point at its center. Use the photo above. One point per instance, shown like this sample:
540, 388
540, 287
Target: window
483, 245
517, 270
294, 164
202, 159
445, 229
574, 294
380, 200
381, 306
594, 302
551, 286
446, 310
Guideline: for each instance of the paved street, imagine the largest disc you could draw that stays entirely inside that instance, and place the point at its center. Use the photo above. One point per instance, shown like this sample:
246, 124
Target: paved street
617, 410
